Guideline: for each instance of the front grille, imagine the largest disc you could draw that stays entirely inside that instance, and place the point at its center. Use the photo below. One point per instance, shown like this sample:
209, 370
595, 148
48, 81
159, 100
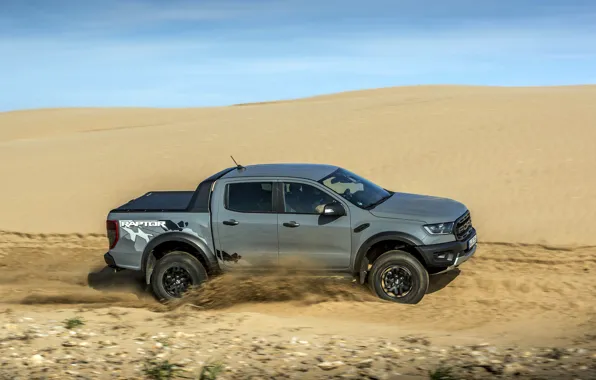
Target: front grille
463, 226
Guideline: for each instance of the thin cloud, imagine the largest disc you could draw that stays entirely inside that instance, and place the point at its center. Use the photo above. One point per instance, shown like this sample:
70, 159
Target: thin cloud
110, 16
222, 52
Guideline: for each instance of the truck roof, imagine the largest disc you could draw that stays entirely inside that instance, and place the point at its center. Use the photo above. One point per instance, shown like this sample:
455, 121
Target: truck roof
313, 172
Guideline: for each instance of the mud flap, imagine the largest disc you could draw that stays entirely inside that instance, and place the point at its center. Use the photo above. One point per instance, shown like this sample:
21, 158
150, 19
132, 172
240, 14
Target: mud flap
363, 270
149, 271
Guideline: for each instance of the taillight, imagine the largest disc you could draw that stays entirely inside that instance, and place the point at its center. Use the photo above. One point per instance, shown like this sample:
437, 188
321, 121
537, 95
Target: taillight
112, 230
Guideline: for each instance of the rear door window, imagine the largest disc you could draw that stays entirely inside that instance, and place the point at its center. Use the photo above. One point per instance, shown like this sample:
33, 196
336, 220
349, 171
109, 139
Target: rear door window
250, 197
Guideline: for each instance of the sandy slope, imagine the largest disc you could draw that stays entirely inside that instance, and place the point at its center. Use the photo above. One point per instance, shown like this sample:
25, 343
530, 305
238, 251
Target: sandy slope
522, 158
508, 293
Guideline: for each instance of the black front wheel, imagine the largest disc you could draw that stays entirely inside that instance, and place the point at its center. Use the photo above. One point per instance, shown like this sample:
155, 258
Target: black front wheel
397, 276
176, 273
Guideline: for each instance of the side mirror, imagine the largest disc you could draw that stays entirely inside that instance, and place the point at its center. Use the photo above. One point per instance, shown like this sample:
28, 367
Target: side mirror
333, 209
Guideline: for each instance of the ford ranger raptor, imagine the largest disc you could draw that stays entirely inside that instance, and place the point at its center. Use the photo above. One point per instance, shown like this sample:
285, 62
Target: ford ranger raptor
325, 218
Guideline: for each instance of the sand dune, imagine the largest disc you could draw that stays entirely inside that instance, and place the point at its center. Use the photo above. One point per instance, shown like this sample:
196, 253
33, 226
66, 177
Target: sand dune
523, 159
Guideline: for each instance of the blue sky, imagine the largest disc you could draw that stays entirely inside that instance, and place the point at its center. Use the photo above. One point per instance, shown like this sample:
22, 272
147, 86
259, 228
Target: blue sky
181, 53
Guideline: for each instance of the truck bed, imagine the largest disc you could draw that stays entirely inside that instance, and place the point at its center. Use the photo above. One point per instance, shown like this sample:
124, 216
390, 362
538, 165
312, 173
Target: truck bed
158, 201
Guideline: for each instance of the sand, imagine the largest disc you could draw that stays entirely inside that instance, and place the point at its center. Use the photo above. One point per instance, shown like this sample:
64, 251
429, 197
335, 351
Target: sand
522, 159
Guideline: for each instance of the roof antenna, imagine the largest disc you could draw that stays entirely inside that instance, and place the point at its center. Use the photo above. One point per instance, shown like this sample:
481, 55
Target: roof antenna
238, 166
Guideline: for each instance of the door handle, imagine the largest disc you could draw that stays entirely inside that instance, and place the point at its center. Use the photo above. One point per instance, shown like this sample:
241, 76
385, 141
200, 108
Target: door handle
291, 224
231, 222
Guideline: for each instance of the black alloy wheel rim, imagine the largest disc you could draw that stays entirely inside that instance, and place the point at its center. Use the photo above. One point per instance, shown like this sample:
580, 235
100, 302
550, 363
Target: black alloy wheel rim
396, 281
176, 280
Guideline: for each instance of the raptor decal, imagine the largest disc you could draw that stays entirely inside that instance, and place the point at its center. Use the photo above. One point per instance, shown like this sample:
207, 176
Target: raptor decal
132, 235
227, 257
142, 223
181, 226
139, 232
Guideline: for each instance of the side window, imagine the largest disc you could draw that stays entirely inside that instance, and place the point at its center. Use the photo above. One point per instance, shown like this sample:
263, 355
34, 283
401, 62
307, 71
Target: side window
301, 198
250, 197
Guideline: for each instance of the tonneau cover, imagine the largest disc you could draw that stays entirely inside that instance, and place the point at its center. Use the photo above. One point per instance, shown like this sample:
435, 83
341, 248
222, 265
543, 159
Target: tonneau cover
159, 201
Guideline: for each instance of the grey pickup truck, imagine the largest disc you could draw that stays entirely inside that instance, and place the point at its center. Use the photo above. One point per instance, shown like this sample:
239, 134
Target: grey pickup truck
320, 218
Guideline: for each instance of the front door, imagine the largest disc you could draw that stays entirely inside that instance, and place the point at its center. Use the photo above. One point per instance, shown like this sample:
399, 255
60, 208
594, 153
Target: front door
307, 238
246, 223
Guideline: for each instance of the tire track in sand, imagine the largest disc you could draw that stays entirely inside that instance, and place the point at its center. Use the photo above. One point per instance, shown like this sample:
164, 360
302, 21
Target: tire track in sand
502, 283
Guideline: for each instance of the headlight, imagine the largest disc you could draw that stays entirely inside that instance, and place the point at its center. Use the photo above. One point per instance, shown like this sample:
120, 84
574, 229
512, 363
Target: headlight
439, 228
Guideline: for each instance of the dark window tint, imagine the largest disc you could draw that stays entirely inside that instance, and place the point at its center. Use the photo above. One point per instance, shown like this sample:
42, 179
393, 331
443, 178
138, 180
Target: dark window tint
250, 197
304, 199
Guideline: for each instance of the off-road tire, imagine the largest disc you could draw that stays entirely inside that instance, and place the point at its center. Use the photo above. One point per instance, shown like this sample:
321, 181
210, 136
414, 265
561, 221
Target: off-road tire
195, 273
404, 260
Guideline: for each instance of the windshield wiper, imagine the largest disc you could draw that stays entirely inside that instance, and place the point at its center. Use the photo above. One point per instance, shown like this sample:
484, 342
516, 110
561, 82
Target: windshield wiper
372, 205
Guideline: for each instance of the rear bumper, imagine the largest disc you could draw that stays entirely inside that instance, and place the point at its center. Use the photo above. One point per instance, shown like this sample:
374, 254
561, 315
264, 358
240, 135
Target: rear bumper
448, 255
109, 260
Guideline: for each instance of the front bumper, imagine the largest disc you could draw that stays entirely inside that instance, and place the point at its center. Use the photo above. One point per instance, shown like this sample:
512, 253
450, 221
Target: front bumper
449, 255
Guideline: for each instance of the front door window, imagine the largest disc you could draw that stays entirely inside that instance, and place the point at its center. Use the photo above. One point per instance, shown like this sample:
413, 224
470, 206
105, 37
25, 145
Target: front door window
301, 198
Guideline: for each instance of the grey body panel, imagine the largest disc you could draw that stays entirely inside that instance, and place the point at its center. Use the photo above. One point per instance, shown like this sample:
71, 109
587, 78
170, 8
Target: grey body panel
250, 243
260, 239
426, 209
129, 250
312, 172
318, 242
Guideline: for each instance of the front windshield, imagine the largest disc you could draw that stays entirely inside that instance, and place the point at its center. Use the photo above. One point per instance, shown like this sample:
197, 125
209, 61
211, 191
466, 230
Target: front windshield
355, 189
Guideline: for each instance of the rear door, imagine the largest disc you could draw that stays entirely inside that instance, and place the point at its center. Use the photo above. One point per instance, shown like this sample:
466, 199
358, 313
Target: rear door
246, 223
307, 238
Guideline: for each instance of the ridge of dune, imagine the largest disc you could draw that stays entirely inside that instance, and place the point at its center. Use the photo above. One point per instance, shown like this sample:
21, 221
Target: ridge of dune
521, 158
380, 91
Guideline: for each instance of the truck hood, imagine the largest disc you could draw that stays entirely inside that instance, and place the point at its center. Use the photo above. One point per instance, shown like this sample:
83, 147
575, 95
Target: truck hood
419, 207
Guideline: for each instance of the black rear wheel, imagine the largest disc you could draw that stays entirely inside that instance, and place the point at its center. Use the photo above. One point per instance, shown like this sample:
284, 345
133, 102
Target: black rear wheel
397, 276
175, 273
